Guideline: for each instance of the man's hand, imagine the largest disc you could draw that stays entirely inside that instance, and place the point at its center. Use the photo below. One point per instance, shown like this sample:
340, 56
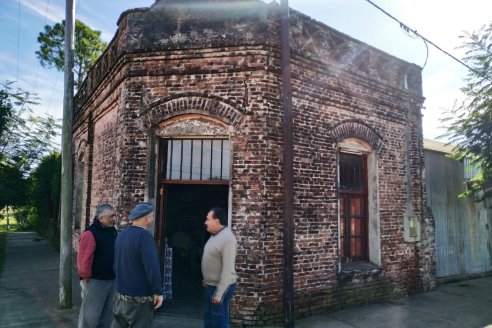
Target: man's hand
158, 299
86, 280
216, 299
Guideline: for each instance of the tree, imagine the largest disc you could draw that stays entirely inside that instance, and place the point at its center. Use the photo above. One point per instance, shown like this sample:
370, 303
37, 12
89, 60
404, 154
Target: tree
45, 186
13, 189
44, 197
5, 111
469, 126
13, 186
25, 138
88, 47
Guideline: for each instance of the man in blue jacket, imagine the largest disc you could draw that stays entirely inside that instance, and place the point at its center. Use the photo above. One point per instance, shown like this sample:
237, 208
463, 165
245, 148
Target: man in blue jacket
138, 277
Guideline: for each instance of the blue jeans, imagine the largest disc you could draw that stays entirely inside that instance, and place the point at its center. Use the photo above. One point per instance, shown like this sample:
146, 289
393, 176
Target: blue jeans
217, 315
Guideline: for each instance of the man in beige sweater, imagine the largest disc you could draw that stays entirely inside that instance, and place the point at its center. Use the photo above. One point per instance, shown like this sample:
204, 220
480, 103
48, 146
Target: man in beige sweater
218, 269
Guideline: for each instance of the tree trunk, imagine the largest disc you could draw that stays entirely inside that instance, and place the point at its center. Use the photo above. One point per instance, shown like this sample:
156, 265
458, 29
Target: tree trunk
8, 219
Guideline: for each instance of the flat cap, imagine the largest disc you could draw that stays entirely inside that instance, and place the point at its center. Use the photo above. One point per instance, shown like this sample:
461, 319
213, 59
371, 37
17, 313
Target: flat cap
140, 210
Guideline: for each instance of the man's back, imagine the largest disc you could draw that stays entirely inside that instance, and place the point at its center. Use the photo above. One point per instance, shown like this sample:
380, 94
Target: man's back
137, 271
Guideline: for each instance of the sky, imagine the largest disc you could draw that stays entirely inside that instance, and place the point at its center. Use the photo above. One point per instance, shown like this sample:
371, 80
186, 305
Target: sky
441, 21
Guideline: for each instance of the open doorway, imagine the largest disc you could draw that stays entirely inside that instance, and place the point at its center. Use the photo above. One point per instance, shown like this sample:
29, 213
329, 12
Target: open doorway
193, 177
185, 209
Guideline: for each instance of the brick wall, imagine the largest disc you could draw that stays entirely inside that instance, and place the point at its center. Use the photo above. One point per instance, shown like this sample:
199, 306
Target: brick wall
342, 88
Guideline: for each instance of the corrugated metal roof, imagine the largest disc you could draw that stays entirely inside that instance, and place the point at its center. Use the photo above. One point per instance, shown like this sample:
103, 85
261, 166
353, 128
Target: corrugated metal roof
438, 146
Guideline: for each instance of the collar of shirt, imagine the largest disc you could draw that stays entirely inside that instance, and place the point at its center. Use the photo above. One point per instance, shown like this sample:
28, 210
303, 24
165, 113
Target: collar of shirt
215, 234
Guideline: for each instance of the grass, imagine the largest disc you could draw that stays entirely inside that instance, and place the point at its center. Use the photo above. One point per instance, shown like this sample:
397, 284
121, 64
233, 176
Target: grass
13, 224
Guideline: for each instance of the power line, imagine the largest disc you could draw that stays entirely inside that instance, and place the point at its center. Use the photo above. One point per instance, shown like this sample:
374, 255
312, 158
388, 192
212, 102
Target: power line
408, 29
37, 68
57, 74
53, 91
18, 42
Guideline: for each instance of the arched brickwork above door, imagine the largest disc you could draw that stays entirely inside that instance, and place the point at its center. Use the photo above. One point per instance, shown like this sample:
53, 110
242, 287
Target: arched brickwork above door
357, 129
193, 103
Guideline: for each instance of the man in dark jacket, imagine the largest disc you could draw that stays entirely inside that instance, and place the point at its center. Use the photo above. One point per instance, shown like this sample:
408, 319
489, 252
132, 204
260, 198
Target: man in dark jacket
95, 265
138, 277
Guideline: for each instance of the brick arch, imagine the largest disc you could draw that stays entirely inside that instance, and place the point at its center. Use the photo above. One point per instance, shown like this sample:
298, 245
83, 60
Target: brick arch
357, 129
193, 103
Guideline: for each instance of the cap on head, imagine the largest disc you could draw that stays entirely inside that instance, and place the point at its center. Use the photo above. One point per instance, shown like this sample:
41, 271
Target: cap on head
141, 210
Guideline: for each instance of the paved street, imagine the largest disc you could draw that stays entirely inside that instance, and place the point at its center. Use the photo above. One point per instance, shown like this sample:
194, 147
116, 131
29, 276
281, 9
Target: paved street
29, 298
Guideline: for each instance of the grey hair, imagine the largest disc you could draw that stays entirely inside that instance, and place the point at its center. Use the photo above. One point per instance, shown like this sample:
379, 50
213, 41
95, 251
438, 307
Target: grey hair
102, 209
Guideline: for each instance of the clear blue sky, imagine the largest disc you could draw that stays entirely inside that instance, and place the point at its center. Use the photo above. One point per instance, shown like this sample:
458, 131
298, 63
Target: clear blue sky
441, 21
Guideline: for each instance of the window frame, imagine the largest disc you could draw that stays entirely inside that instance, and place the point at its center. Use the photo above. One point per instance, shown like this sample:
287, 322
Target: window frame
346, 251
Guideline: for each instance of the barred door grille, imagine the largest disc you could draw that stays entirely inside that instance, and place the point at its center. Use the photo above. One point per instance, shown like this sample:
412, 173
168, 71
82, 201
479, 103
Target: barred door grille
196, 160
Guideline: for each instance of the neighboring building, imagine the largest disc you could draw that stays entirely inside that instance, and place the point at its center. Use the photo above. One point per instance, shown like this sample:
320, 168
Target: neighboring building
184, 110
463, 233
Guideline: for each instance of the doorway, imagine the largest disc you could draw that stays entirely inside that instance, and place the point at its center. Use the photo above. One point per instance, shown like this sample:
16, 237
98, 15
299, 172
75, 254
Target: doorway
193, 178
186, 207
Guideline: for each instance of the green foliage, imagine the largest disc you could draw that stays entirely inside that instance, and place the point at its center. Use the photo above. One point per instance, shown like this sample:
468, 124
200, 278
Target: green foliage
45, 186
13, 225
25, 138
5, 111
13, 186
42, 214
469, 126
22, 217
88, 47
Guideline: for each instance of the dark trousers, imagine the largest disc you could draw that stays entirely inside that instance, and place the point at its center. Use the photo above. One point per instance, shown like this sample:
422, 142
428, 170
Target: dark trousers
134, 315
217, 315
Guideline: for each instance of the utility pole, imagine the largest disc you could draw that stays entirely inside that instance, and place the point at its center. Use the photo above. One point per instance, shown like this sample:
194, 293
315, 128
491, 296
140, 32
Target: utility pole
65, 280
288, 235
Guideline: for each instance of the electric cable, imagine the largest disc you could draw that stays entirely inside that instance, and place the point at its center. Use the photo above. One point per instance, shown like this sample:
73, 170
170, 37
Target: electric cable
37, 68
18, 42
408, 29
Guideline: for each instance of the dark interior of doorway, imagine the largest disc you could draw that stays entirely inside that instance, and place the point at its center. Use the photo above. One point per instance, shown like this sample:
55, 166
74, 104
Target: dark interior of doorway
186, 207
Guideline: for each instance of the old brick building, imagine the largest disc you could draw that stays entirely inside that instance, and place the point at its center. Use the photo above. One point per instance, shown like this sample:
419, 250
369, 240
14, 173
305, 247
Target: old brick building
183, 110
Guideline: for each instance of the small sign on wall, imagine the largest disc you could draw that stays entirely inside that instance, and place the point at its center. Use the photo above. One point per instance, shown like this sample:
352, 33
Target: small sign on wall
411, 229
413, 226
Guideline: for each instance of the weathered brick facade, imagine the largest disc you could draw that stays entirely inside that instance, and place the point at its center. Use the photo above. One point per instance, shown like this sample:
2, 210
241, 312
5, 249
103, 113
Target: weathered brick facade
222, 60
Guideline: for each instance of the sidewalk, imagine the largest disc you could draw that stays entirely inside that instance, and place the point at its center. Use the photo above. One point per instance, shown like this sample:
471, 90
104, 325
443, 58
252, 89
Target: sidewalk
29, 298
463, 304
29, 285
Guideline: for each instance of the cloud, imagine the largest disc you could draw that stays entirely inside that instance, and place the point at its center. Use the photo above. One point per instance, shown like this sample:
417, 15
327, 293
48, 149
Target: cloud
435, 109
441, 79
55, 13
7, 60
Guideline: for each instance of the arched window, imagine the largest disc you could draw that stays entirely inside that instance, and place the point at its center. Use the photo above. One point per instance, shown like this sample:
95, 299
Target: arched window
353, 207
79, 190
358, 209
